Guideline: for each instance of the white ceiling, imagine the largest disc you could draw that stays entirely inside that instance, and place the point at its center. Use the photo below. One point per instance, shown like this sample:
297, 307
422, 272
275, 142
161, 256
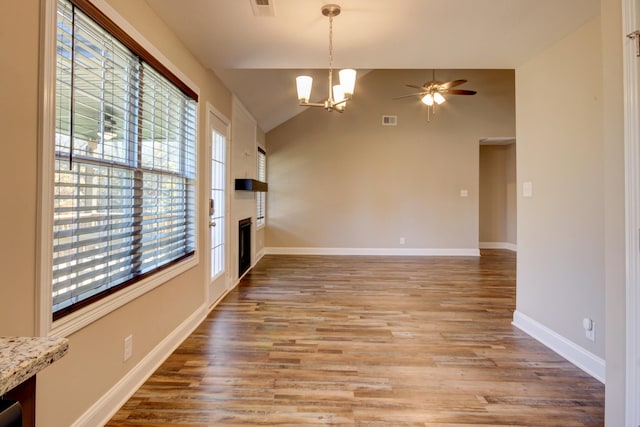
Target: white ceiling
258, 57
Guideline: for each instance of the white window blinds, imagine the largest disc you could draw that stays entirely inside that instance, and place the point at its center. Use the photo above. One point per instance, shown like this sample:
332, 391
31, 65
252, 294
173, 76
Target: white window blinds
261, 196
125, 165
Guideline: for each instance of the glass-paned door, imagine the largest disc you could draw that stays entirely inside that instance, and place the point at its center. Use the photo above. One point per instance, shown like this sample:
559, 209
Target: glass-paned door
217, 207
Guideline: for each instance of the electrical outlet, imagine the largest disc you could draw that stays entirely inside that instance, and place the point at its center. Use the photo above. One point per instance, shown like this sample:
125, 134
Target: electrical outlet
402, 241
591, 333
128, 347
589, 328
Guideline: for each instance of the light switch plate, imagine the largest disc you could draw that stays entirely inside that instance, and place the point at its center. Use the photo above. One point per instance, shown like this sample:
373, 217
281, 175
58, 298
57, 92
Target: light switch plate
527, 189
128, 347
464, 193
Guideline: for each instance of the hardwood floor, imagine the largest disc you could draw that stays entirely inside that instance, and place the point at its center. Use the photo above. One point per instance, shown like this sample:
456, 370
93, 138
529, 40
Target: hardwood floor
367, 341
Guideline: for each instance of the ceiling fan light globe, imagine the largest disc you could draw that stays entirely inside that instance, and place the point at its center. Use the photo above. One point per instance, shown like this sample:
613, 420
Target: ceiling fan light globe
347, 81
438, 98
428, 99
303, 84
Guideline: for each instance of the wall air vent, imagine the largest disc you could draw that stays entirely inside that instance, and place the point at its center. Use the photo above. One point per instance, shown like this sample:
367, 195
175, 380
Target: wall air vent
389, 120
263, 7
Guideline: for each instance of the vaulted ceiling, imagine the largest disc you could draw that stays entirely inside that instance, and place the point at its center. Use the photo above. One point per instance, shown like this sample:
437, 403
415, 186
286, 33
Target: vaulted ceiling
258, 57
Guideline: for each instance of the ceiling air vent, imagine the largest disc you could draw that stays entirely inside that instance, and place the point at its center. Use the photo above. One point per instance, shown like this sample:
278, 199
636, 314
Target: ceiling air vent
263, 7
389, 120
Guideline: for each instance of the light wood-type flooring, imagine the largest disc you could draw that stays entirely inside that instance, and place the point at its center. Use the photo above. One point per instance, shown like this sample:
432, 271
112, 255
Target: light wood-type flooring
367, 341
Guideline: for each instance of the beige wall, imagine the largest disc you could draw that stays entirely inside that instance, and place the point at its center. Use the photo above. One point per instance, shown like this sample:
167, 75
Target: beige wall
18, 177
94, 362
346, 181
592, 279
561, 269
498, 194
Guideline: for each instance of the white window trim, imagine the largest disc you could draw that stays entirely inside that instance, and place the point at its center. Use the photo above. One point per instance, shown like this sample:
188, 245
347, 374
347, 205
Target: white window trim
44, 239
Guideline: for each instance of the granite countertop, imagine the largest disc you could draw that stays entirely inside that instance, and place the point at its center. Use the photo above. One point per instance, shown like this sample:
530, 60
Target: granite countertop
23, 357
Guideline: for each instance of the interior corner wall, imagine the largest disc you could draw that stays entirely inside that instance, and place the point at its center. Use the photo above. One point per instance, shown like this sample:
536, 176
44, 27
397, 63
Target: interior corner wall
244, 152
497, 201
560, 273
346, 181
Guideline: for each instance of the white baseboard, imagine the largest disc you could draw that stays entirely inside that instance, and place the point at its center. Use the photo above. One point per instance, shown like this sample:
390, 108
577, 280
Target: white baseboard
373, 251
220, 298
583, 359
498, 245
106, 407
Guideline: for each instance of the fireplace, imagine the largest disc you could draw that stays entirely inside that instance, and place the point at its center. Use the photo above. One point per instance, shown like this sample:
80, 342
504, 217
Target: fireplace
244, 245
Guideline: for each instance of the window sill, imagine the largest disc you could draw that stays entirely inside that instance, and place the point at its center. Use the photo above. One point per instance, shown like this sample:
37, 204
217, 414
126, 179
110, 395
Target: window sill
84, 317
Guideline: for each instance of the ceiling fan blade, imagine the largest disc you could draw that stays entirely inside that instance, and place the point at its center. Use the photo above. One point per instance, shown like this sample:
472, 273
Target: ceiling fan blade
411, 94
460, 92
452, 83
416, 87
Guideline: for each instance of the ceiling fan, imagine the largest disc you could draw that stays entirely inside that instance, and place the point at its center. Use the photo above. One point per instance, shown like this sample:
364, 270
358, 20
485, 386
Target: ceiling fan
432, 92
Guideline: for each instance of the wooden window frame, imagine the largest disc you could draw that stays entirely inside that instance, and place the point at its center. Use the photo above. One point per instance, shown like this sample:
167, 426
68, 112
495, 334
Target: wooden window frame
46, 155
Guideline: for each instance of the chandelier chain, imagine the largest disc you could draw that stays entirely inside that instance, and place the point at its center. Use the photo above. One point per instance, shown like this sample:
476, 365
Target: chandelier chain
330, 57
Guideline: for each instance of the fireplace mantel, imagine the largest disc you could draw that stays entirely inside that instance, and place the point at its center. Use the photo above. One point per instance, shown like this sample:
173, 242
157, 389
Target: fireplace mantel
247, 184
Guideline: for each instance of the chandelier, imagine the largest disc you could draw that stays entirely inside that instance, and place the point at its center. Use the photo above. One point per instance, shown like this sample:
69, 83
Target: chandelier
338, 94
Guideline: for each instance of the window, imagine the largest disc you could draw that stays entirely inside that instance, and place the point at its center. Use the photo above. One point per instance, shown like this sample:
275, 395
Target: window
217, 198
261, 196
125, 161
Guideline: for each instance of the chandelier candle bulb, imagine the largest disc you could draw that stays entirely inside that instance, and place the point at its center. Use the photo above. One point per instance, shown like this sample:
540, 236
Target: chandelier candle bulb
304, 84
347, 81
338, 97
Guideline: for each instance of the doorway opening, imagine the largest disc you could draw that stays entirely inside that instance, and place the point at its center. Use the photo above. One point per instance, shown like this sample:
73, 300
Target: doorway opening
497, 194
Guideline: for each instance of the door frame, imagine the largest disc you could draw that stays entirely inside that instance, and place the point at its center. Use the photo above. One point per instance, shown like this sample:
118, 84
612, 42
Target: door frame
632, 195
212, 111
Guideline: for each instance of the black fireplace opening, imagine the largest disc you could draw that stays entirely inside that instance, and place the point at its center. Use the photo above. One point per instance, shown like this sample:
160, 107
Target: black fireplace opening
244, 245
